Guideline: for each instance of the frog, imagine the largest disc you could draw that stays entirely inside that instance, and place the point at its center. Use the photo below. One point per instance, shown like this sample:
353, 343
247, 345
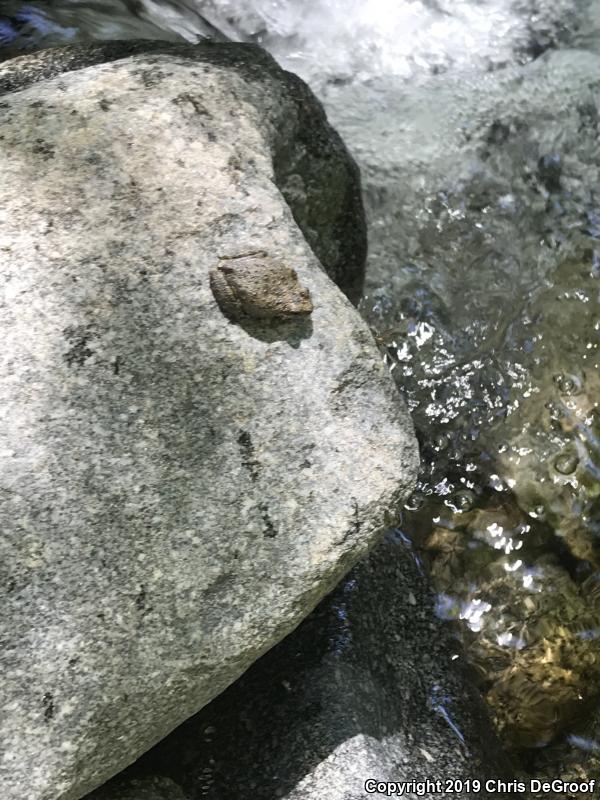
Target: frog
256, 286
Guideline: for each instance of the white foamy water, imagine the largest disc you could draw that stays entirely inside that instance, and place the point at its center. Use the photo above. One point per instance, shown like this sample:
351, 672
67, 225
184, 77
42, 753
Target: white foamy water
361, 39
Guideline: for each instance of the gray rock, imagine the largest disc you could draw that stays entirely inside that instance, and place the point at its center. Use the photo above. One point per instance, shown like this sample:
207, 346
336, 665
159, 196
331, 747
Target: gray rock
178, 490
371, 685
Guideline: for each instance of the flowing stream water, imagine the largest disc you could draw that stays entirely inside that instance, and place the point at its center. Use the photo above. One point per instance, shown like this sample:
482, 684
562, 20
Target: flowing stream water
476, 127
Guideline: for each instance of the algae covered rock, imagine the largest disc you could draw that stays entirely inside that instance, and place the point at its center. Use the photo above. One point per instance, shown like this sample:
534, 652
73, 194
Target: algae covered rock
178, 489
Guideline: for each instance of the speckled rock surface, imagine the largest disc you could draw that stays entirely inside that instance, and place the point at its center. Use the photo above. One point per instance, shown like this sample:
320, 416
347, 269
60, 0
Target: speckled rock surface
370, 685
178, 490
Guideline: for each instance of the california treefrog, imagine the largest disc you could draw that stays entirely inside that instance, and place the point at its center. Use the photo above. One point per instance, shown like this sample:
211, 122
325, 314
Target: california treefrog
256, 286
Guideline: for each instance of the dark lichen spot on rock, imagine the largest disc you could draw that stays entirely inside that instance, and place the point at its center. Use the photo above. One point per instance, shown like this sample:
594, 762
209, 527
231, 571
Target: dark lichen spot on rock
539, 43
588, 114
498, 133
356, 521
79, 352
248, 457
150, 77
234, 163
188, 99
115, 247
48, 703
269, 531
44, 148
94, 159
140, 600
550, 171
349, 382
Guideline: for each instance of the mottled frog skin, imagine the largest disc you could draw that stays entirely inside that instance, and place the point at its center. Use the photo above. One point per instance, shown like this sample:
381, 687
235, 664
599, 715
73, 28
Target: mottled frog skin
254, 286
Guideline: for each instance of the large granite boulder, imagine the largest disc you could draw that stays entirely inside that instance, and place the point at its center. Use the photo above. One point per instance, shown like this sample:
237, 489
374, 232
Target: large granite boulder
180, 485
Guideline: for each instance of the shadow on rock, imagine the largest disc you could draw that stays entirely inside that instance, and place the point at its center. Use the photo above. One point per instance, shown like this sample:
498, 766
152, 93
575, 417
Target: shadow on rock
292, 331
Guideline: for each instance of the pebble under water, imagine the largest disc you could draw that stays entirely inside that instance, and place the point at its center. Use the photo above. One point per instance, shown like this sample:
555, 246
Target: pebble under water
475, 124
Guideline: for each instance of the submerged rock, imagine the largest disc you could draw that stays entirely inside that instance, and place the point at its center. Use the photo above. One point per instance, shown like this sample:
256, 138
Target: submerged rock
552, 453
529, 625
150, 788
178, 490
